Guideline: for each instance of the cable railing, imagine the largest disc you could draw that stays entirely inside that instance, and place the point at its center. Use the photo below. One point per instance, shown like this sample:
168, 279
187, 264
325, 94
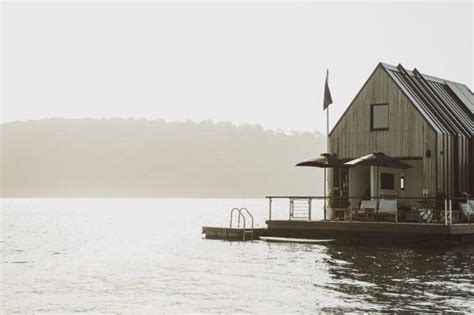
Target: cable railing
428, 210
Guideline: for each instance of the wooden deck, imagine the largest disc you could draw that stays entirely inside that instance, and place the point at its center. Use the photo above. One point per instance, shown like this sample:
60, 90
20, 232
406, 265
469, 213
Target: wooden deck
372, 231
232, 234
353, 232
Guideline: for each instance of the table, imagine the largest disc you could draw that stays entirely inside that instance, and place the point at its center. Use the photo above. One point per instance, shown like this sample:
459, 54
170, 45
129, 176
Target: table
368, 213
341, 213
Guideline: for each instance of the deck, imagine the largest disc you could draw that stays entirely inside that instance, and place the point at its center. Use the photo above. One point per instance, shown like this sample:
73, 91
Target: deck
232, 234
357, 231
353, 232
430, 222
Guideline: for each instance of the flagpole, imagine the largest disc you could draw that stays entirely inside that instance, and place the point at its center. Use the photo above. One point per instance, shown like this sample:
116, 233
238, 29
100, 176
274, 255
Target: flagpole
327, 150
325, 193
327, 129
326, 103
326, 179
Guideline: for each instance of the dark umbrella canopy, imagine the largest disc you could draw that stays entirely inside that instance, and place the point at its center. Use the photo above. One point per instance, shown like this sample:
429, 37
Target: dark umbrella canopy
379, 159
325, 160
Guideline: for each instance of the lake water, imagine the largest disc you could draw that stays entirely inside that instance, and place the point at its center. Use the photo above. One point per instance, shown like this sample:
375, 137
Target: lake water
148, 255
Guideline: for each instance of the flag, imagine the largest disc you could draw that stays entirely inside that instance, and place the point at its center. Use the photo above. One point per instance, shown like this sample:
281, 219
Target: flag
327, 93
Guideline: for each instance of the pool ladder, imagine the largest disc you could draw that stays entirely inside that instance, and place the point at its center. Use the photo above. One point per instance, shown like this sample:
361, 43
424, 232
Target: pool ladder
245, 231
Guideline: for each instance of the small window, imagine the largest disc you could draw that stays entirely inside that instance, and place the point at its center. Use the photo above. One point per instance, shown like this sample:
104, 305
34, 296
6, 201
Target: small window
387, 181
379, 117
402, 183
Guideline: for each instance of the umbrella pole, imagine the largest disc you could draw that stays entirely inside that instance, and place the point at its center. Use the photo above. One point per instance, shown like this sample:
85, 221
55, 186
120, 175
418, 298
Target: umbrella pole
377, 188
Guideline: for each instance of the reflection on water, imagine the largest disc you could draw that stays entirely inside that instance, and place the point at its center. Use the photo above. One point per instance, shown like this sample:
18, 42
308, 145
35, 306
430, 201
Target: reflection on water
404, 279
147, 255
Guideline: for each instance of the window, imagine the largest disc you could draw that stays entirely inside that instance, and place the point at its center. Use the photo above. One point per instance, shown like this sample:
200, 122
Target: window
379, 117
387, 181
402, 183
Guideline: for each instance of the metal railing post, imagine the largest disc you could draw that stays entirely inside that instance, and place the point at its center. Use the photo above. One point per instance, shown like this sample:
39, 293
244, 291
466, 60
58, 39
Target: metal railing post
269, 209
350, 209
291, 209
309, 209
450, 212
445, 211
325, 207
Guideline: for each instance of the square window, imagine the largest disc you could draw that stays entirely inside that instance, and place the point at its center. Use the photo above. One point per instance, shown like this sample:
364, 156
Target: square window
387, 181
379, 117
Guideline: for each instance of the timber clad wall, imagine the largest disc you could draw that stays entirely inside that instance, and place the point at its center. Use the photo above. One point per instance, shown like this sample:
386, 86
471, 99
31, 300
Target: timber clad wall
409, 135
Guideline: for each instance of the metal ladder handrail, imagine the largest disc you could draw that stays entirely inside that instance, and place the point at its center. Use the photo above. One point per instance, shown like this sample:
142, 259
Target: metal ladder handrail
251, 230
244, 221
240, 215
248, 212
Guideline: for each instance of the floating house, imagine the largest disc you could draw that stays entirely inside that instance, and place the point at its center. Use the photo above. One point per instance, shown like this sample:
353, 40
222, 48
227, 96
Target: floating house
401, 168
423, 120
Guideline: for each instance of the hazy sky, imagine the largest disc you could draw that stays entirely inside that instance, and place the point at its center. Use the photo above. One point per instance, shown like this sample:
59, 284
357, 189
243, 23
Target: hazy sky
241, 62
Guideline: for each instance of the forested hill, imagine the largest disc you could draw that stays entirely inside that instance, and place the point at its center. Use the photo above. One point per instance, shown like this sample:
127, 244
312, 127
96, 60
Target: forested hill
142, 158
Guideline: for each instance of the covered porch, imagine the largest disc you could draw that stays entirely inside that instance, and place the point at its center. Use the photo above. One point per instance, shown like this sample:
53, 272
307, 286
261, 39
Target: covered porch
376, 186
363, 180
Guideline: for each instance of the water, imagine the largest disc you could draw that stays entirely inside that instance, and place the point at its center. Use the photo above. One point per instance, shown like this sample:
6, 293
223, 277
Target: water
147, 255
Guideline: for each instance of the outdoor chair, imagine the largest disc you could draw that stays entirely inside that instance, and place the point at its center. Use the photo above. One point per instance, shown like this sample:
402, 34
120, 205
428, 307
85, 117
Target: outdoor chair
467, 210
387, 209
471, 203
425, 215
366, 210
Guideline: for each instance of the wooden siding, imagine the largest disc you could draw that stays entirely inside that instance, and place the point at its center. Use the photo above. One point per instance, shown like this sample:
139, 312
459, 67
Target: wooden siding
409, 134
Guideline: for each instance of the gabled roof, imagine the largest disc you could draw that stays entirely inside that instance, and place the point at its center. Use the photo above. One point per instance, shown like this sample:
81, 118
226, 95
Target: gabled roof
447, 106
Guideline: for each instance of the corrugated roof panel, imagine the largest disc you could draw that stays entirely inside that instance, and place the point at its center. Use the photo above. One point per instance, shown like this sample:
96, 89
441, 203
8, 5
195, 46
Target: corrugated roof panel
449, 109
463, 93
419, 104
460, 115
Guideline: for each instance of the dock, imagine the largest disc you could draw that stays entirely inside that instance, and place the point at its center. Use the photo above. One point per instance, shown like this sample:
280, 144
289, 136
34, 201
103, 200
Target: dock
442, 228
241, 228
373, 232
351, 232
232, 234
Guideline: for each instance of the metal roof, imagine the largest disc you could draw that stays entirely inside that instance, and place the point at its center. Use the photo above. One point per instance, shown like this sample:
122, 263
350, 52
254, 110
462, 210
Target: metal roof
463, 93
448, 106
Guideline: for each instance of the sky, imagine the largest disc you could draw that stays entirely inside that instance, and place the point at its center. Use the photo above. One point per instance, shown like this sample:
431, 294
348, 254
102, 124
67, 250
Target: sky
244, 62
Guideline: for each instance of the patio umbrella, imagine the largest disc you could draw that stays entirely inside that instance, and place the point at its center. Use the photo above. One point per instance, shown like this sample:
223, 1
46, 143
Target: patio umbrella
325, 160
379, 159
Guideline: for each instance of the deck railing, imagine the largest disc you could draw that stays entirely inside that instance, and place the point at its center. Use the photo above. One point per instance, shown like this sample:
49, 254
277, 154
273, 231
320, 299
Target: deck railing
445, 211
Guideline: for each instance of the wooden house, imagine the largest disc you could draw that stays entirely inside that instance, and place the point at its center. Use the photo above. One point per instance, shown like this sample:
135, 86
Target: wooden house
423, 120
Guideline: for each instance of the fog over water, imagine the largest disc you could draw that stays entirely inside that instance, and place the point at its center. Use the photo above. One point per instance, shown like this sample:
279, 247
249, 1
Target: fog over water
154, 158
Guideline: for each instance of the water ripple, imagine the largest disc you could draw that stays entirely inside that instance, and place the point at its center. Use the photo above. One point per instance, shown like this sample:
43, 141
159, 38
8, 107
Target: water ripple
117, 256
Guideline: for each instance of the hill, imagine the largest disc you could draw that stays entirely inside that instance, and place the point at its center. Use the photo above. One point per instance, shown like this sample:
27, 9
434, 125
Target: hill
141, 158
